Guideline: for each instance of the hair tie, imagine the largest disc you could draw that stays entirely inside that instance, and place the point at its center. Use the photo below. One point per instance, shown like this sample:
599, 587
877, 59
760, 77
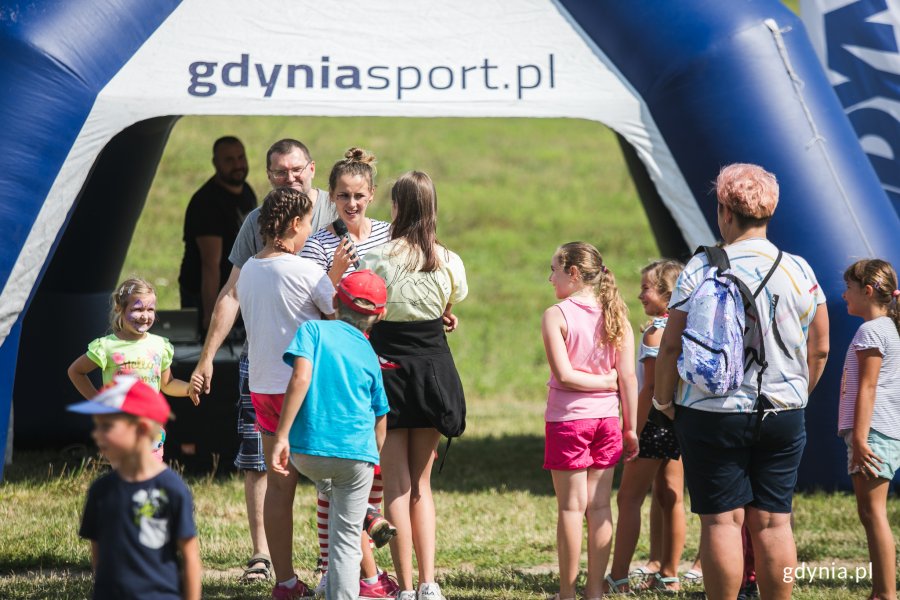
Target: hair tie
895, 293
605, 270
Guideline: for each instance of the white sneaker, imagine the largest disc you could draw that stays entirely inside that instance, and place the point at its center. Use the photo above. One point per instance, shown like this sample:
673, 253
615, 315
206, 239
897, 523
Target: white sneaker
430, 591
407, 595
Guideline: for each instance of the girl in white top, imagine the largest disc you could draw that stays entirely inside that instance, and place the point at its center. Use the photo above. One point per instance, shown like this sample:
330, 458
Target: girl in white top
279, 291
869, 414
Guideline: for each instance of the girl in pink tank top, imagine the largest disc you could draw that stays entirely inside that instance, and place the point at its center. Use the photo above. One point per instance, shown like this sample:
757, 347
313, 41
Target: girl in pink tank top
590, 349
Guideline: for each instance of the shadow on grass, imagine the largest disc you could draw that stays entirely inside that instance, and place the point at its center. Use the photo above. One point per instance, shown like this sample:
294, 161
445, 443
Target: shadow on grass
509, 462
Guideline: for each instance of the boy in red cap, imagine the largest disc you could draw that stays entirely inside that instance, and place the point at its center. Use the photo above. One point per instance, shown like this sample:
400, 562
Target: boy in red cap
140, 516
333, 423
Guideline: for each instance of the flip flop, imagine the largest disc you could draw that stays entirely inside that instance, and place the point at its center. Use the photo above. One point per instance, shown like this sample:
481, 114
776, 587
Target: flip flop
253, 574
616, 585
692, 576
661, 584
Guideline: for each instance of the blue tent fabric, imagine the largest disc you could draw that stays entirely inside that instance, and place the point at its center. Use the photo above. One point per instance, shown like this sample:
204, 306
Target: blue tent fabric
721, 82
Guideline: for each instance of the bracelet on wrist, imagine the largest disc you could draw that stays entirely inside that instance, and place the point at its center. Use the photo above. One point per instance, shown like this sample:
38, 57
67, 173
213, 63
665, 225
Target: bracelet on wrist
661, 407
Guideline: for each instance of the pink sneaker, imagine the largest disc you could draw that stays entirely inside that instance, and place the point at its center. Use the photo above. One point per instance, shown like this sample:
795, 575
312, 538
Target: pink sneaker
300, 591
386, 588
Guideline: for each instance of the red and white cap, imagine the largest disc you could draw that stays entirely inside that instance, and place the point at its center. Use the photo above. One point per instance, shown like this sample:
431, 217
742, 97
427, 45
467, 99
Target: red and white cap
363, 285
126, 394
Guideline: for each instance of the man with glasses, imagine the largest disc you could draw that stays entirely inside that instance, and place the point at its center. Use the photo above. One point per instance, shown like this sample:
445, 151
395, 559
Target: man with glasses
288, 164
211, 224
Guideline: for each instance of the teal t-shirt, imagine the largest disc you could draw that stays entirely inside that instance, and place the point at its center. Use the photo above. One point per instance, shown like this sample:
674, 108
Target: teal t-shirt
345, 394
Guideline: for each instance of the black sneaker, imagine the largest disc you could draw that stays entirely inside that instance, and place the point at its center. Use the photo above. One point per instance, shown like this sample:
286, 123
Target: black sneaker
378, 528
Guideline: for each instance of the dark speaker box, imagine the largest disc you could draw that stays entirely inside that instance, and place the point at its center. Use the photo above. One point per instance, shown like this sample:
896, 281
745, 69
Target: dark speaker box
204, 439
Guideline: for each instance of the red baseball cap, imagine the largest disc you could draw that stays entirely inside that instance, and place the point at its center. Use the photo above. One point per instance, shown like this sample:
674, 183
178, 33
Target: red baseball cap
126, 394
363, 285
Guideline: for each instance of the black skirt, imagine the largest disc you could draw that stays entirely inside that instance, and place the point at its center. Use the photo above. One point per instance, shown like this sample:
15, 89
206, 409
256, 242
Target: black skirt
420, 377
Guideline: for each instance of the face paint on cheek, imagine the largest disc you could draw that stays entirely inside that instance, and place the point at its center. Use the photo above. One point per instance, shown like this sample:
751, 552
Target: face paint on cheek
140, 316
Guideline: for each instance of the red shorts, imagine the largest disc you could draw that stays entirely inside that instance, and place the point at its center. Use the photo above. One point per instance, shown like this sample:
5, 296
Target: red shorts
268, 411
583, 443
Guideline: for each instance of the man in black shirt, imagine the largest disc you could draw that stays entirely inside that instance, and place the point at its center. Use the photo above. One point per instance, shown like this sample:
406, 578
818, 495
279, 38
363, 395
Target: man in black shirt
211, 223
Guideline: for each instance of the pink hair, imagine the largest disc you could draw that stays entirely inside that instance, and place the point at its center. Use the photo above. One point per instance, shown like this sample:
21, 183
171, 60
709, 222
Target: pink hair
748, 190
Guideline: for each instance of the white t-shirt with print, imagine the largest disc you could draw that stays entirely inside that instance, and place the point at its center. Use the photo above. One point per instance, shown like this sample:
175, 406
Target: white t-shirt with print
786, 380
417, 295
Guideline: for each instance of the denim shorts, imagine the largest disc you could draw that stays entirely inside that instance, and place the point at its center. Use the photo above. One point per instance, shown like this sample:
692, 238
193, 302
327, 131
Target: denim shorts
582, 443
250, 456
886, 448
729, 462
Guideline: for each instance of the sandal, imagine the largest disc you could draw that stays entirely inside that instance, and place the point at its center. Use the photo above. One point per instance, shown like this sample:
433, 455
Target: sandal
253, 574
661, 584
616, 585
692, 577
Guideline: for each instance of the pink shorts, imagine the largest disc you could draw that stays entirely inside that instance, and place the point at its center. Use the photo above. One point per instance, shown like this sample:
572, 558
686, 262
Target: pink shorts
583, 443
268, 411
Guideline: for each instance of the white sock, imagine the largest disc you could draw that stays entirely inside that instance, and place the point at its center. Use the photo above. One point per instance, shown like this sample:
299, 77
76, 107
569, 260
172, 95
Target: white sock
289, 583
371, 580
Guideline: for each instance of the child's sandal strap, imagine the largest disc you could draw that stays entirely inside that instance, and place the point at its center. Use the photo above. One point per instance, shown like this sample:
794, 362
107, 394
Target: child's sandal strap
615, 585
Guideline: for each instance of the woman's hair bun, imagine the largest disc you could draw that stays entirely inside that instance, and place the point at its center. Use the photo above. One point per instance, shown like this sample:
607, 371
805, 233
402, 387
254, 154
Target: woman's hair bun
359, 155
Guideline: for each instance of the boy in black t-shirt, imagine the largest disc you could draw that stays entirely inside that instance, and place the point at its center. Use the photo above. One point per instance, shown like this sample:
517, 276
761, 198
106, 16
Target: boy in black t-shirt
139, 517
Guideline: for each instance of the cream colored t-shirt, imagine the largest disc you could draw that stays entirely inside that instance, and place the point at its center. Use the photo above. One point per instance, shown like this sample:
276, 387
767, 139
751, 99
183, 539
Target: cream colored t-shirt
417, 295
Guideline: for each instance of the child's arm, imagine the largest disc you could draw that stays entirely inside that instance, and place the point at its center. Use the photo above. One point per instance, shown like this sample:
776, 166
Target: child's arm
652, 338
863, 458
553, 330
817, 346
451, 321
380, 431
190, 556
293, 400
78, 371
175, 387
628, 394
344, 255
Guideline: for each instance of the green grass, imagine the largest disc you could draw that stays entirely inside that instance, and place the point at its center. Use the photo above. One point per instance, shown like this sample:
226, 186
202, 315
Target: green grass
496, 524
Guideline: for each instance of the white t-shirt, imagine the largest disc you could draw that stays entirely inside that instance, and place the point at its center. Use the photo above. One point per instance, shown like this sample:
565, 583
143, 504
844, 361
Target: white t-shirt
417, 295
878, 334
277, 295
786, 380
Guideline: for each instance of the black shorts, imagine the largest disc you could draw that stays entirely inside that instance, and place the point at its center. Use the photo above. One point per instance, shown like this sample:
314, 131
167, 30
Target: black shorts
658, 442
728, 463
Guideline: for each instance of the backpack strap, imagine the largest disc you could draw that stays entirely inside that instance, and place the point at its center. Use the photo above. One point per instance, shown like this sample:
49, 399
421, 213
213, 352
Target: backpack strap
715, 257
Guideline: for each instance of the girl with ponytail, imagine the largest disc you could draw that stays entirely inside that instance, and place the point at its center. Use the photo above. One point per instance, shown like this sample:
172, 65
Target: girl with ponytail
590, 349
